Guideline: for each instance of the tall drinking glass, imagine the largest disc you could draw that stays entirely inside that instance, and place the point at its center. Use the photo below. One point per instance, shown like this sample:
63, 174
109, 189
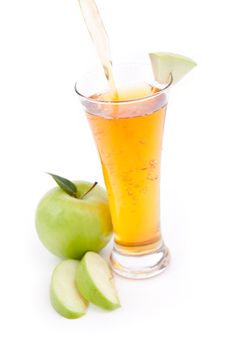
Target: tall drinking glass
128, 131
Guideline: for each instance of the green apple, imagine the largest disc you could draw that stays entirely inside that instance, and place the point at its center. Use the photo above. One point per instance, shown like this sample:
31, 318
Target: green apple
166, 64
64, 295
94, 280
72, 223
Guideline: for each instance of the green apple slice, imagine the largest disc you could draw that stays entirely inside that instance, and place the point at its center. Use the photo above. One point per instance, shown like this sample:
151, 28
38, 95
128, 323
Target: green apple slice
167, 64
64, 294
95, 282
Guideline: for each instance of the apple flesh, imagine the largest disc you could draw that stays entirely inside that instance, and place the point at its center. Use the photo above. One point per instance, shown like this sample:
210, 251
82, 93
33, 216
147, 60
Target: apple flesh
68, 226
64, 295
95, 282
165, 64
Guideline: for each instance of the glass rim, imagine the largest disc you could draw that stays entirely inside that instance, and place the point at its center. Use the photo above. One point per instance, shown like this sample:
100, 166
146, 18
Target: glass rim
133, 100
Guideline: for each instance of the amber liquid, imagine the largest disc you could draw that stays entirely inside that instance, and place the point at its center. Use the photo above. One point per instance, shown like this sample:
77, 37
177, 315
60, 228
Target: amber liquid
128, 139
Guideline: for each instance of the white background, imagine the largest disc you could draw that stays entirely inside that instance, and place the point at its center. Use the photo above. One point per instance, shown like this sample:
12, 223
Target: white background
44, 48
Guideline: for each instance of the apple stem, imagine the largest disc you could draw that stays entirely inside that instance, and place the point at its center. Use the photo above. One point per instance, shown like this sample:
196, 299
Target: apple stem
90, 189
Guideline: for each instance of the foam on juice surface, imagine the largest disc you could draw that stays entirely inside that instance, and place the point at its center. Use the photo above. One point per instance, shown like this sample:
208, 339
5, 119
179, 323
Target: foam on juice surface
128, 92
140, 99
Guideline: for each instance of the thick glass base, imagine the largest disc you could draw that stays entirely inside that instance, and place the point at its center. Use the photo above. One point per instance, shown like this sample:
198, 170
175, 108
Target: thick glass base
138, 266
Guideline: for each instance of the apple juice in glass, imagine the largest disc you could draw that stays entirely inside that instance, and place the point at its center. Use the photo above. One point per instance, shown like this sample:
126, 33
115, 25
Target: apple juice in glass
128, 131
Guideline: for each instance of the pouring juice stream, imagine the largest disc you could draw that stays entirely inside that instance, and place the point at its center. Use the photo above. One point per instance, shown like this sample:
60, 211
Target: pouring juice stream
100, 39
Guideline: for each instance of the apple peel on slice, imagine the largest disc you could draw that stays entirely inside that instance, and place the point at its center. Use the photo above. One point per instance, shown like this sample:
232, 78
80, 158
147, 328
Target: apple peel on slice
95, 282
167, 66
64, 295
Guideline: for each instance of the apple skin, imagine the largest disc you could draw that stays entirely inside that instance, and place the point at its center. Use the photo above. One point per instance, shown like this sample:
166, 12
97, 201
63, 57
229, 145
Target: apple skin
69, 227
